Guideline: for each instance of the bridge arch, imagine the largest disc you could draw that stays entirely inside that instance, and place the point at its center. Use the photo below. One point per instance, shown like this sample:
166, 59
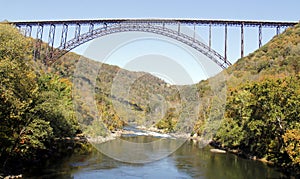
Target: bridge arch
142, 27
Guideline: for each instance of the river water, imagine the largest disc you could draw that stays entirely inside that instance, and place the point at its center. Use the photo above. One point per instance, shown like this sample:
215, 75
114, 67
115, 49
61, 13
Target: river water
188, 161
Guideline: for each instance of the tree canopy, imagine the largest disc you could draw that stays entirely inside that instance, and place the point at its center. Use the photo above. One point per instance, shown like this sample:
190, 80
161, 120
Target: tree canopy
35, 108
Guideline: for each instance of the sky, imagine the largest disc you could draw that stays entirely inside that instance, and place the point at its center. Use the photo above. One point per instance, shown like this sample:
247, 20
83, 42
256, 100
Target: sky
270, 10
278, 10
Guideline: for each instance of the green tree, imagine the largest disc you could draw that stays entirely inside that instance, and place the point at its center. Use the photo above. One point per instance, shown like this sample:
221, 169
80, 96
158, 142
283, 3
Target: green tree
18, 89
54, 104
169, 121
292, 143
34, 108
261, 119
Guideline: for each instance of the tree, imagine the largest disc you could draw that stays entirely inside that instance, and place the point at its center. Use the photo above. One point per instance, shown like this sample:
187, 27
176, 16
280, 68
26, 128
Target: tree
18, 89
263, 120
292, 143
169, 121
54, 104
34, 108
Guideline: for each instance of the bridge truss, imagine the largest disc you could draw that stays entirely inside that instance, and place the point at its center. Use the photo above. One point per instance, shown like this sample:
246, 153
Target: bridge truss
86, 30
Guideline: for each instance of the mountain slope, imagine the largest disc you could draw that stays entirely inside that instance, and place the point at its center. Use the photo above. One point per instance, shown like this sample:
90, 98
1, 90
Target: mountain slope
122, 96
279, 57
262, 114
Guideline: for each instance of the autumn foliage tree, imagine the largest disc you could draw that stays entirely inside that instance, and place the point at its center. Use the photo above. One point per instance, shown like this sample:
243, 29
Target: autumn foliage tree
263, 120
35, 108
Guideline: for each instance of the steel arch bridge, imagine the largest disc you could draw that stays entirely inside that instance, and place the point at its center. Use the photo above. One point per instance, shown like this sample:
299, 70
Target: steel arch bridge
129, 27
103, 27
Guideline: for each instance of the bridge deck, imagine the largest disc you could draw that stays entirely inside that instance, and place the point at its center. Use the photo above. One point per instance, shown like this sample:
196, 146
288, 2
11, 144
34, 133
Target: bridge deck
161, 21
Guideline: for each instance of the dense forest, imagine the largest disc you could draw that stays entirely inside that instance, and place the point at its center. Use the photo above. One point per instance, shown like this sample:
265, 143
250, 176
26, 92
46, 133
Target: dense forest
262, 115
36, 110
261, 119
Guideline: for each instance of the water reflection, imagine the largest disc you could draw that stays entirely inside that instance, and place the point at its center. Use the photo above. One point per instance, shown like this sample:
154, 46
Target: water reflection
140, 149
188, 161
201, 163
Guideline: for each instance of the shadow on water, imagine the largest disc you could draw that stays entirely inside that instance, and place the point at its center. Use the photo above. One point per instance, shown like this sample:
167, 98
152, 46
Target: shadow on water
201, 163
188, 161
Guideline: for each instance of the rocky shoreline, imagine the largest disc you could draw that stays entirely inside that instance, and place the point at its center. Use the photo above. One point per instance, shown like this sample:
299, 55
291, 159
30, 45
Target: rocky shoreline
140, 131
12, 176
217, 148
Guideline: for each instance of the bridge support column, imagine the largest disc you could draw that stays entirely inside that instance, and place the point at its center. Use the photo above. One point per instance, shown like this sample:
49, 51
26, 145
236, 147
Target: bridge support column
77, 31
91, 27
194, 35
28, 30
209, 36
105, 25
225, 48
242, 40
260, 35
38, 42
19, 28
277, 30
64, 35
178, 28
51, 36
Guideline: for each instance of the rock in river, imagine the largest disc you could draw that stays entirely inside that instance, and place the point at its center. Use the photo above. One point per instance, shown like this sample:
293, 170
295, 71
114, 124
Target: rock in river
218, 151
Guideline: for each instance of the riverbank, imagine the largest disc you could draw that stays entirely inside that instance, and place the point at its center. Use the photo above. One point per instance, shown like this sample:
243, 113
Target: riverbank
154, 132
288, 172
66, 146
113, 136
12, 167
137, 131
239, 153
188, 161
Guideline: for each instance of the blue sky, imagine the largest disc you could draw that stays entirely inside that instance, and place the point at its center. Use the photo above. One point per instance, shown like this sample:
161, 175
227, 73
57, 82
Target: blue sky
210, 9
272, 10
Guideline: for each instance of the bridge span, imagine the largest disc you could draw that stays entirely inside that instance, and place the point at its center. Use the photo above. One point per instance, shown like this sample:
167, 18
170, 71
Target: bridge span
86, 30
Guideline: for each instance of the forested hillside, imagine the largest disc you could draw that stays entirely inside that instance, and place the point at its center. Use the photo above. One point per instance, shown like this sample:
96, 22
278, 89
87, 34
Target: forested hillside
262, 116
35, 108
138, 98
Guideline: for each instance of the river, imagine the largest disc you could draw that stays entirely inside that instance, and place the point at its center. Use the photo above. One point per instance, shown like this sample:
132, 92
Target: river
188, 161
